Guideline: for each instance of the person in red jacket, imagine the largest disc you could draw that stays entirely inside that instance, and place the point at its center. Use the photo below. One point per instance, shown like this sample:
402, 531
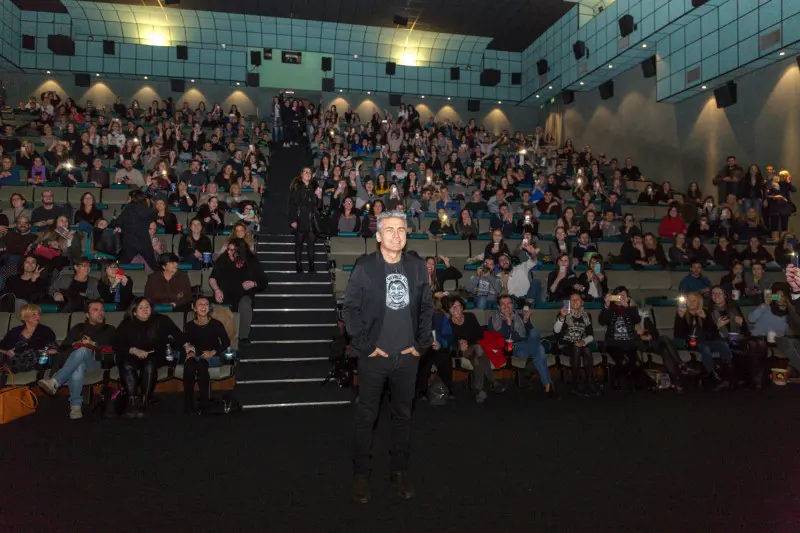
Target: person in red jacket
671, 224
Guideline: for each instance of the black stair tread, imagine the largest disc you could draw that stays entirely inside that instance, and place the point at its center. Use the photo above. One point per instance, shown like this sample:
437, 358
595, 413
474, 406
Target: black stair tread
272, 317
292, 393
282, 370
300, 333
325, 288
286, 350
286, 300
293, 276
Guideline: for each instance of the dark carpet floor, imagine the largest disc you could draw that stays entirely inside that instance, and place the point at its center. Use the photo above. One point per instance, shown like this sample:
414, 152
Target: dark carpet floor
624, 462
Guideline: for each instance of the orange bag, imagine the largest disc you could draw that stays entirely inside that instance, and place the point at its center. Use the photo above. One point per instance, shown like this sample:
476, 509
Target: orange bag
16, 402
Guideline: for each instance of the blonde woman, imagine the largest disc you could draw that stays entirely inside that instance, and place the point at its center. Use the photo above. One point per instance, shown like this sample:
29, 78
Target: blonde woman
20, 346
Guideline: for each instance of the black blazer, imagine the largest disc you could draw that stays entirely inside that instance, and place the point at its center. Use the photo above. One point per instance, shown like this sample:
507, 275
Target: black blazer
365, 305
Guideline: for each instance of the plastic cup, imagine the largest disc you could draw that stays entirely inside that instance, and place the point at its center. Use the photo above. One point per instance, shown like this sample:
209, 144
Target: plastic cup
207, 257
771, 335
735, 294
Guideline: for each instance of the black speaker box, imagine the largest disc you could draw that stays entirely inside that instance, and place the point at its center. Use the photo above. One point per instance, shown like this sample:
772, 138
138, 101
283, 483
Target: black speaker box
607, 90
626, 25
400, 20
569, 97
328, 85
516, 78
541, 67
29, 42
391, 67
327, 64
255, 58
698, 3
473, 105
490, 77
82, 80
177, 86
579, 49
254, 78
726, 95
395, 100
649, 67
182, 51
61, 45
268, 54
455, 73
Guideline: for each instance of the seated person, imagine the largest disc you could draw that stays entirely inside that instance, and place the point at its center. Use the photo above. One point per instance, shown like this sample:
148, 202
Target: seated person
497, 247
71, 290
609, 226
28, 287
620, 316
679, 254
549, 204
633, 253
80, 359
205, 337
21, 344
165, 219
466, 334
695, 326
517, 280
755, 253
194, 244
437, 278
442, 225
439, 354
582, 247
503, 221
114, 286
527, 340
213, 216
653, 251
651, 340
758, 281
695, 281
140, 345
699, 253
169, 285
485, 285
593, 282
347, 219
182, 198
734, 280
561, 282
527, 222
236, 278
574, 329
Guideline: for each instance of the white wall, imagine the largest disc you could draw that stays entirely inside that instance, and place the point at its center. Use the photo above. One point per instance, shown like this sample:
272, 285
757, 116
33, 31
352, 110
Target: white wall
249, 100
689, 141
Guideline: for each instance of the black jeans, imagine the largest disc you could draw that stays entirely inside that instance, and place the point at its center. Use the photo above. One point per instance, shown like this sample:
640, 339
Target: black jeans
625, 362
195, 369
664, 347
310, 240
136, 374
576, 355
400, 371
444, 368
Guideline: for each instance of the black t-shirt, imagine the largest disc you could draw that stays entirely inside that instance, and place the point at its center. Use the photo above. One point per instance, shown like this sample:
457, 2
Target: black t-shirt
77, 289
211, 336
397, 332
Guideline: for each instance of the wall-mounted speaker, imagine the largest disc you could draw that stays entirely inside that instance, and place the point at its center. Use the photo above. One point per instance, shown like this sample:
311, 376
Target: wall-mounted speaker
490, 77
541, 67
626, 25
109, 48
255, 58
395, 100
649, 67
607, 90
182, 52
61, 45
391, 67
327, 64
455, 73
82, 80
516, 78
254, 78
569, 97
177, 86
726, 95
698, 3
473, 105
29, 42
400, 20
328, 85
579, 49
268, 54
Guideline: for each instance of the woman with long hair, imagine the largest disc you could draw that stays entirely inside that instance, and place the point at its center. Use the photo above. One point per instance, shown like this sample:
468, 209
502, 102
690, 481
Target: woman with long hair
752, 189
114, 286
466, 226
194, 244
164, 217
304, 200
213, 216
87, 214
140, 344
347, 219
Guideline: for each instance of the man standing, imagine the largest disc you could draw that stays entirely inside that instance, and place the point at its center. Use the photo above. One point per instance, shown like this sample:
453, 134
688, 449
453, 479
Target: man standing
388, 311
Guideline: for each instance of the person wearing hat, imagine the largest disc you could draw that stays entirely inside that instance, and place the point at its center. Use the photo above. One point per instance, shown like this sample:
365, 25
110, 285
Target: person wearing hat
773, 319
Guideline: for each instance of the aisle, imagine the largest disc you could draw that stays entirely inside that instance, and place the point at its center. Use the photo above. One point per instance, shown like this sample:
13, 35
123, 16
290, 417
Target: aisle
286, 164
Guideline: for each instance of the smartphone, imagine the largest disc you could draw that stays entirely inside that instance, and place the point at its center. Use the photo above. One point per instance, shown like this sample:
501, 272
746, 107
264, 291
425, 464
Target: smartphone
566, 305
794, 259
615, 298
120, 272
775, 297
562, 269
597, 267
524, 242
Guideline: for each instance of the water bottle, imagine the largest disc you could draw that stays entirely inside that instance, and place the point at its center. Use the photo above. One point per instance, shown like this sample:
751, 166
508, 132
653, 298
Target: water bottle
169, 355
229, 354
44, 358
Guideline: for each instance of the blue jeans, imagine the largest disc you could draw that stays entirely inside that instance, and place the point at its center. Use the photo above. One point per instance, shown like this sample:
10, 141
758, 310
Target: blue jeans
534, 291
277, 131
754, 203
485, 302
73, 372
706, 350
791, 349
531, 348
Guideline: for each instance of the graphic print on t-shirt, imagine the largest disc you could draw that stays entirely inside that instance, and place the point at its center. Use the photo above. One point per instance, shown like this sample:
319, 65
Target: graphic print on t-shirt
397, 294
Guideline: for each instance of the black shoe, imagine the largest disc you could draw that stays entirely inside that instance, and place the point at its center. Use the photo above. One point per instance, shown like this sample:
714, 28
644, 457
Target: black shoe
132, 407
311, 268
142, 413
402, 484
552, 393
361, 492
299, 269
579, 390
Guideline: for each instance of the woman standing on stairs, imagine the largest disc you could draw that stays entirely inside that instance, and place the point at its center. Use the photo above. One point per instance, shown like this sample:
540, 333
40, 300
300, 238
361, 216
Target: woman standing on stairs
304, 198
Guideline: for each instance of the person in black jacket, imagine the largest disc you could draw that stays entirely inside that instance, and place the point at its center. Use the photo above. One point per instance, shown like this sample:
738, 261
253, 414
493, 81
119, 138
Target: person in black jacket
140, 344
235, 280
388, 312
696, 326
134, 224
620, 317
304, 197
205, 338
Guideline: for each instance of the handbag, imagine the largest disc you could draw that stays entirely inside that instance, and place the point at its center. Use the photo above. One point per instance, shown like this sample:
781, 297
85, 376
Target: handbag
16, 402
45, 252
108, 241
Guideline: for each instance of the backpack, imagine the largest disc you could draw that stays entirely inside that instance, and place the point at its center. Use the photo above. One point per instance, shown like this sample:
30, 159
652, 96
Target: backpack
658, 380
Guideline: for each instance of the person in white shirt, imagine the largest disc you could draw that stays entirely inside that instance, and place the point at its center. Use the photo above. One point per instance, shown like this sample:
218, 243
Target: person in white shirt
516, 279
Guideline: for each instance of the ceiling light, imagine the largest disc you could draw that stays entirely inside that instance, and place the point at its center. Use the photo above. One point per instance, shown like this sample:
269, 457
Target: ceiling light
611, 66
423, 97
550, 87
237, 84
644, 45
97, 75
499, 101
782, 54
703, 87
340, 90
223, 45
537, 96
369, 92
145, 77
581, 83
48, 72
355, 56
448, 98
191, 81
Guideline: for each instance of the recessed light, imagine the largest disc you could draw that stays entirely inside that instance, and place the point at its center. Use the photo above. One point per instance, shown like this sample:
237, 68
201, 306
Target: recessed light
550, 87
448, 98
782, 54
97, 75
423, 97
581, 83
644, 45
145, 77
237, 84
703, 87
48, 72
499, 101
223, 45
537, 96
340, 90
191, 81
355, 56
611, 66
369, 92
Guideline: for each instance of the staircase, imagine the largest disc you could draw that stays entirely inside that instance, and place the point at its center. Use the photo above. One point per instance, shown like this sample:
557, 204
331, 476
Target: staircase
294, 319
